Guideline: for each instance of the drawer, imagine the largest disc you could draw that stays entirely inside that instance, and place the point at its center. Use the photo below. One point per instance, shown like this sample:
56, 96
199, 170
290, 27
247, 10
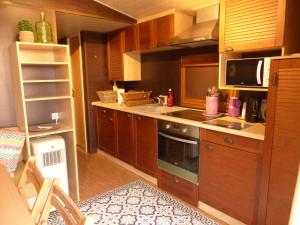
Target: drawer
230, 140
106, 112
179, 187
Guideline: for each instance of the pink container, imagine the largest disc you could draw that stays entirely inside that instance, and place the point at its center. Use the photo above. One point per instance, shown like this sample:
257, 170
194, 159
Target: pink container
212, 103
234, 108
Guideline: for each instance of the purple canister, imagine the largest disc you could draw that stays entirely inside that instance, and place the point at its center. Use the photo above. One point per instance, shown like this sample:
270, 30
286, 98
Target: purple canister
234, 108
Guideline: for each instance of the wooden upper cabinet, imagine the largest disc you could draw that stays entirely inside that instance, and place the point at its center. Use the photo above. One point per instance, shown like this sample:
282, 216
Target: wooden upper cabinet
251, 25
131, 38
163, 30
115, 50
146, 35
122, 66
125, 136
146, 144
282, 137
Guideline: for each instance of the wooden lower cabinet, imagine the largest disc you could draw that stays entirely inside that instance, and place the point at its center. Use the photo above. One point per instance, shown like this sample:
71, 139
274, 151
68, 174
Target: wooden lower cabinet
178, 186
146, 144
228, 180
125, 137
106, 135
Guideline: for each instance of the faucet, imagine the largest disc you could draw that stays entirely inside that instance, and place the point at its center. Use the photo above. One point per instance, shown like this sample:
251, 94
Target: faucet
158, 100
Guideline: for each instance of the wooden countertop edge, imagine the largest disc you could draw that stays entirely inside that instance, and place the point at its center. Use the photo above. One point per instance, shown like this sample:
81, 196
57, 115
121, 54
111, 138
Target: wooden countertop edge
255, 134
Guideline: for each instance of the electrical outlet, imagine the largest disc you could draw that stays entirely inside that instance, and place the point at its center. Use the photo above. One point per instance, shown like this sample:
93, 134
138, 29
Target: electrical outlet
55, 116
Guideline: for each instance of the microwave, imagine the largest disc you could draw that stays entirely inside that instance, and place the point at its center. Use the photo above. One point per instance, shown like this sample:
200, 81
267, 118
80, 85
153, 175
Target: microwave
248, 72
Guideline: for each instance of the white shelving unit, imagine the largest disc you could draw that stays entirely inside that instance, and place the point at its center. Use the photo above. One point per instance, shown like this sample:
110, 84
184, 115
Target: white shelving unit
43, 85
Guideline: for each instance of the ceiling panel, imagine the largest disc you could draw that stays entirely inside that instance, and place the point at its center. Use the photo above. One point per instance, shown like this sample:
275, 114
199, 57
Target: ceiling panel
142, 8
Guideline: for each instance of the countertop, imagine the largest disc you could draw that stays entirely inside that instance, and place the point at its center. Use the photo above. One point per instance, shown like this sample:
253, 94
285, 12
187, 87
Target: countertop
255, 131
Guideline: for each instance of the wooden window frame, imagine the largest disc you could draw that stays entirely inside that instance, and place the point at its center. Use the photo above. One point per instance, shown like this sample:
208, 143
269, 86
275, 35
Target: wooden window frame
190, 102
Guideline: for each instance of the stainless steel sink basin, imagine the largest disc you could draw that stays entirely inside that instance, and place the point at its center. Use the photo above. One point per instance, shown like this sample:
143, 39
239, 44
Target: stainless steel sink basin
156, 108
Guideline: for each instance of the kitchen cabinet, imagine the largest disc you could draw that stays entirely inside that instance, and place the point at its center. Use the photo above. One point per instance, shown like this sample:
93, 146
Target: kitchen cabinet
254, 25
106, 134
178, 186
228, 175
125, 137
146, 35
146, 144
122, 66
131, 38
282, 155
115, 50
163, 28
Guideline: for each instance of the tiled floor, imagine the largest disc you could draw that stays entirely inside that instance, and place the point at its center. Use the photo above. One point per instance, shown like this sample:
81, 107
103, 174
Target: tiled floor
98, 174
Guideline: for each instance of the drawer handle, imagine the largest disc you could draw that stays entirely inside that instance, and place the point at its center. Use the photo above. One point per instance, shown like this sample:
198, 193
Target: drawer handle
209, 147
229, 140
139, 118
176, 180
128, 115
104, 111
110, 119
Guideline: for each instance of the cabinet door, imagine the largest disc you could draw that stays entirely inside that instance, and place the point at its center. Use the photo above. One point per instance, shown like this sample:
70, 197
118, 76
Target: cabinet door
282, 133
115, 50
106, 130
126, 149
146, 35
146, 144
163, 30
131, 38
251, 25
228, 179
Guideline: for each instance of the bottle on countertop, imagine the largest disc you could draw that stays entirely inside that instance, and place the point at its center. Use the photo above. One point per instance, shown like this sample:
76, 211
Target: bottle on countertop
170, 100
115, 87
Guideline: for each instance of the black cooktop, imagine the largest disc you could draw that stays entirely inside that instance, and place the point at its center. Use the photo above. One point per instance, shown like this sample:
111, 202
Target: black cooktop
195, 115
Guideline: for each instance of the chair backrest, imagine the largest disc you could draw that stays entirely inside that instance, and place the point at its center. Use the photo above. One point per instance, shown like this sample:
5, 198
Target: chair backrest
43, 187
65, 206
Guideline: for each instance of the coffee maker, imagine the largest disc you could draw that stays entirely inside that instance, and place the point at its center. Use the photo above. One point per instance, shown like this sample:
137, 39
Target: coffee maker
252, 109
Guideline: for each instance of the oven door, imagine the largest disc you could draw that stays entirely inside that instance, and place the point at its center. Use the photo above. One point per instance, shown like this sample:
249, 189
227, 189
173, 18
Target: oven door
179, 154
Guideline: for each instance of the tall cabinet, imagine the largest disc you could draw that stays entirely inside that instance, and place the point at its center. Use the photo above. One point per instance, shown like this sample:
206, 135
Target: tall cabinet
282, 153
42, 86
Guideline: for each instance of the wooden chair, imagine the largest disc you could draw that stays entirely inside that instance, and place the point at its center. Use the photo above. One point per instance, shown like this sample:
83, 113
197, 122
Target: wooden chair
64, 206
32, 177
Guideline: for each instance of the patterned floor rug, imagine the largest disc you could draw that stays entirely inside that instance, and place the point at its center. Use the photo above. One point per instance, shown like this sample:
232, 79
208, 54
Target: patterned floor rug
137, 203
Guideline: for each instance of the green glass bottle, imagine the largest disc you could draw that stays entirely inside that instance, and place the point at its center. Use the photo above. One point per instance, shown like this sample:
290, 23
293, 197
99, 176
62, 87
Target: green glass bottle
43, 30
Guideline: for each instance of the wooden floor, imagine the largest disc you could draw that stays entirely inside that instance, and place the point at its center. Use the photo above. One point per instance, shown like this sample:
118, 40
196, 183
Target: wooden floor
97, 174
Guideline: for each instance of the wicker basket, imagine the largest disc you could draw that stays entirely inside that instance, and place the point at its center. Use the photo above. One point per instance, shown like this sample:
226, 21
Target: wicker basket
107, 96
133, 98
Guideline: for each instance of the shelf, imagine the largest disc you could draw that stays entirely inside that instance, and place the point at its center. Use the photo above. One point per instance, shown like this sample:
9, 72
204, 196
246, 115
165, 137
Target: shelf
46, 81
62, 129
45, 98
29, 63
40, 46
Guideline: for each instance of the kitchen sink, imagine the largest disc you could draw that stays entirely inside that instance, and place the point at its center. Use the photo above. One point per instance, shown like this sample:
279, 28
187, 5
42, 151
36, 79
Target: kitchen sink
156, 108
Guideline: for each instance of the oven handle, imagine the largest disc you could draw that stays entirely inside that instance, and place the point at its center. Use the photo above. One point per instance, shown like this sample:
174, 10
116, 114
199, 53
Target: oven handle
178, 139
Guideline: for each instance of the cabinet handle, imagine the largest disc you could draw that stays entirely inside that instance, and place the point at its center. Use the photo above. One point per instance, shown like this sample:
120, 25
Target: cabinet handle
128, 115
139, 118
110, 119
229, 140
229, 49
274, 79
209, 147
104, 111
176, 180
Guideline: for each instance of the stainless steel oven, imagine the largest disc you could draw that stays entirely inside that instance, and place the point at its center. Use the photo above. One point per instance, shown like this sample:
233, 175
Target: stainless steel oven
178, 149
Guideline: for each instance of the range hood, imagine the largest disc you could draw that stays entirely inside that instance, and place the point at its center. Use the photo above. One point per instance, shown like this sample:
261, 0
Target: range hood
204, 32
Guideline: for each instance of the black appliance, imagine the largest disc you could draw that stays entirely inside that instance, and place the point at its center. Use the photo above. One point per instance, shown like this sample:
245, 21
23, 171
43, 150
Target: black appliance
248, 72
178, 149
252, 109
